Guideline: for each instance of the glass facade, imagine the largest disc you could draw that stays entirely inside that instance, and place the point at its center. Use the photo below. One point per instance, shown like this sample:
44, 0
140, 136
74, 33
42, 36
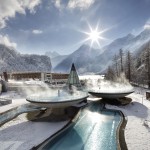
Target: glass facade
73, 78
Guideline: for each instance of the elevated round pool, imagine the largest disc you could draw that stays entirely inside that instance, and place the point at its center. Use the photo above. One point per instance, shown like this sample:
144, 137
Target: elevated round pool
111, 94
59, 103
62, 99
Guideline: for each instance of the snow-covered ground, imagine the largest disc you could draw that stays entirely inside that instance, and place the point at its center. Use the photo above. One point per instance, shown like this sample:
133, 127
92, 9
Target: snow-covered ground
17, 100
23, 134
137, 131
94, 77
31, 81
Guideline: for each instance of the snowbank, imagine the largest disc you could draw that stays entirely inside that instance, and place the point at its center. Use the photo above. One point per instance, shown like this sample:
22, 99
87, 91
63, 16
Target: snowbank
17, 100
137, 131
23, 134
94, 77
20, 133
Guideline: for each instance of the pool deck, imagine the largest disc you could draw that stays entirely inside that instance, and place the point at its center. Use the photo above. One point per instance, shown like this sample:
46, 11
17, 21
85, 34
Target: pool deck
70, 122
15, 103
120, 142
136, 133
17, 100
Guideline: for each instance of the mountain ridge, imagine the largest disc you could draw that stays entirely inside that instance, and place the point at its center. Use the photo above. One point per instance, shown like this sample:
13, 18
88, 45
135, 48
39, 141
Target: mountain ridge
103, 57
12, 60
81, 57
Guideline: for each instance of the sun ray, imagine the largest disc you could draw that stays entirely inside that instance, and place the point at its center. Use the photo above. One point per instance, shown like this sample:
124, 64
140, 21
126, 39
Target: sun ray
94, 35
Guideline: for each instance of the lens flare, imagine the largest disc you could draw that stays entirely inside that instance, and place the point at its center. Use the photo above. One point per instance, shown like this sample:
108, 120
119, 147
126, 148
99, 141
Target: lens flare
94, 35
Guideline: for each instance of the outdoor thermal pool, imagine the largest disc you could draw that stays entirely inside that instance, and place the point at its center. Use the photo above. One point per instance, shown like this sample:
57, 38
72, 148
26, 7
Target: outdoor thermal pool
95, 129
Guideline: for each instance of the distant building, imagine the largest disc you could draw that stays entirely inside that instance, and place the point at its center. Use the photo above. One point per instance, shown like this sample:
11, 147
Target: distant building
54, 78
27, 75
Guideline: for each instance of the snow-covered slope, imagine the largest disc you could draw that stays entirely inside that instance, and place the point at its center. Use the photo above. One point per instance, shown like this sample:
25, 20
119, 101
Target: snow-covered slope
138, 41
56, 60
83, 59
128, 43
52, 54
104, 59
11, 60
55, 57
90, 60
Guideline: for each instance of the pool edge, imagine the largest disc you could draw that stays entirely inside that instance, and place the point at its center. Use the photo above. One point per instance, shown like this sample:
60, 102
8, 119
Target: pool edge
71, 122
120, 138
121, 135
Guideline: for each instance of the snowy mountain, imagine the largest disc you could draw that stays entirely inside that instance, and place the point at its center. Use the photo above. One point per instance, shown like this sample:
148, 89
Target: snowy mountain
11, 60
56, 60
83, 59
90, 60
138, 41
103, 60
52, 54
128, 43
55, 57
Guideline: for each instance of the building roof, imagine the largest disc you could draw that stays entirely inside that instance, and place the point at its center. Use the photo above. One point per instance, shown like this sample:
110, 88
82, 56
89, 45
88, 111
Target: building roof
73, 78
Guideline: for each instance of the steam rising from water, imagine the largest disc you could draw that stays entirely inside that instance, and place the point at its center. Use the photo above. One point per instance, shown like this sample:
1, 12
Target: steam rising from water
93, 83
40, 91
119, 85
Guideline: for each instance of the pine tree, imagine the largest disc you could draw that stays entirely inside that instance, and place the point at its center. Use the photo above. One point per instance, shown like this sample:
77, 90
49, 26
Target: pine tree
128, 65
121, 59
148, 65
110, 75
116, 65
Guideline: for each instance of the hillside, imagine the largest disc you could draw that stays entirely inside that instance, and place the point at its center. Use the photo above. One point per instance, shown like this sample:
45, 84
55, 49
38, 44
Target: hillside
89, 60
11, 60
83, 59
55, 57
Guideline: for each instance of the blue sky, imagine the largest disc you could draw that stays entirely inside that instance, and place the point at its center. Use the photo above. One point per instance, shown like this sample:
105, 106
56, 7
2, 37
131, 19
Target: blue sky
37, 26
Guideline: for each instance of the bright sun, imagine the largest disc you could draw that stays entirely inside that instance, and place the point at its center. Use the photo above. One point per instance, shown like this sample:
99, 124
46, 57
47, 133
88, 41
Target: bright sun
94, 36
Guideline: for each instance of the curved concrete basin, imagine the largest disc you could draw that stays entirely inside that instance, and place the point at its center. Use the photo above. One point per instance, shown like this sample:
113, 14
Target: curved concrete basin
109, 95
57, 101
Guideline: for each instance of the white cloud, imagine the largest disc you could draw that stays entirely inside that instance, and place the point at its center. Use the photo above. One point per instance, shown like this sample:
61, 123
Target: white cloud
37, 31
8, 8
72, 4
6, 41
30, 4
58, 4
81, 4
147, 24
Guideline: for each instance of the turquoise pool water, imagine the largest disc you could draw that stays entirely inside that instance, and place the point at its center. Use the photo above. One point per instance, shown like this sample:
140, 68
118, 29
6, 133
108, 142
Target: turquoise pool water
94, 130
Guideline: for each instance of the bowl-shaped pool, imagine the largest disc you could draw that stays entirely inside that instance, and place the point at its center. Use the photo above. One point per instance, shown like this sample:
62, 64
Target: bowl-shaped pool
60, 100
113, 94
